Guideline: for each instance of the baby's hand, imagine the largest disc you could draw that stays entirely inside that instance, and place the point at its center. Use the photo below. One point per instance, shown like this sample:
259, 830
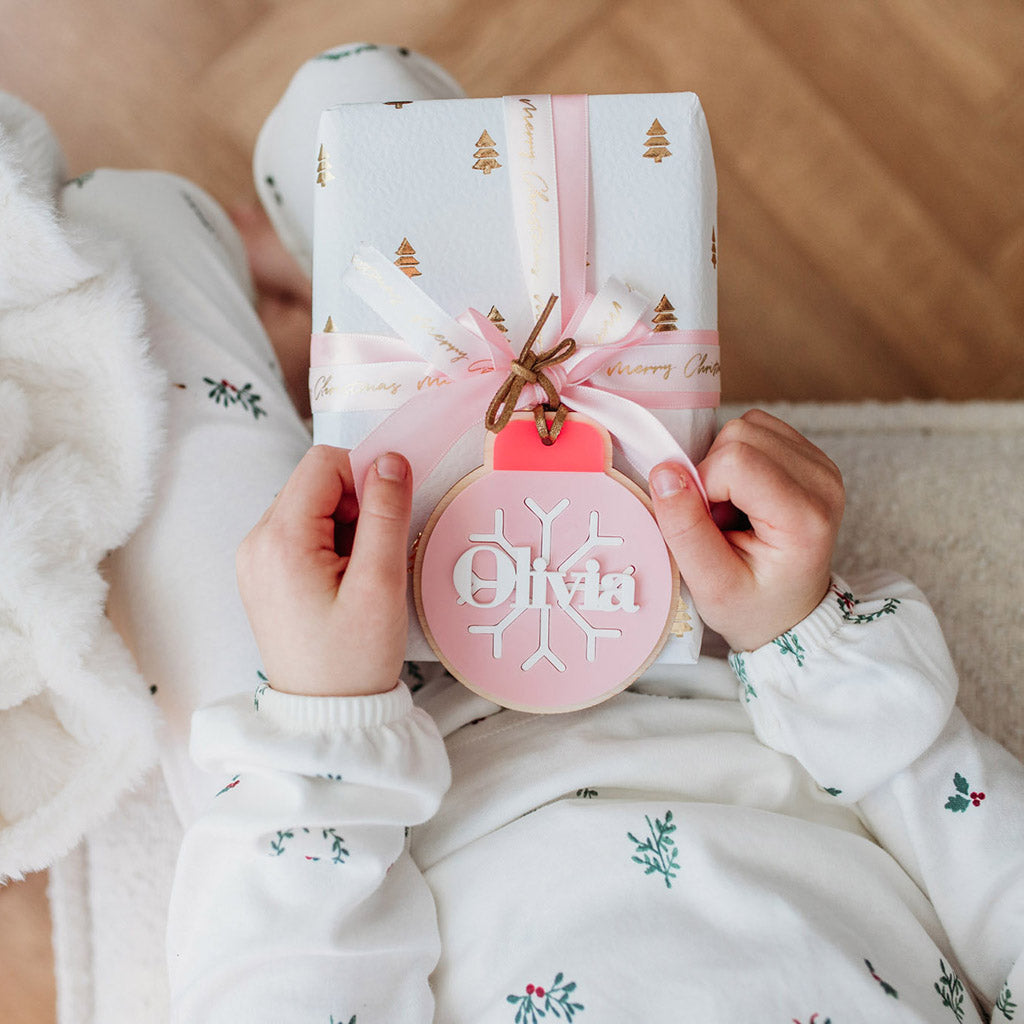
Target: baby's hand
328, 611
751, 585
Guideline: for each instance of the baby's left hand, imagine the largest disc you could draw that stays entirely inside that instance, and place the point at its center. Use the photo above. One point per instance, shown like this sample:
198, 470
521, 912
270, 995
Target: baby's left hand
752, 585
327, 609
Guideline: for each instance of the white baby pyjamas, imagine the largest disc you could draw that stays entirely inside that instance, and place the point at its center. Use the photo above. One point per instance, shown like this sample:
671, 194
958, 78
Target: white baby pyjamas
233, 435
825, 840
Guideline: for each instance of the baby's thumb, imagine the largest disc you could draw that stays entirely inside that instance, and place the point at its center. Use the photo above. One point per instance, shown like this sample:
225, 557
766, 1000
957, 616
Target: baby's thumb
703, 555
379, 549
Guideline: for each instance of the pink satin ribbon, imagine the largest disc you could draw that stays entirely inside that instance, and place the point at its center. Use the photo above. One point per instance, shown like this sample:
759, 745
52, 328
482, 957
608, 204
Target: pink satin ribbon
452, 408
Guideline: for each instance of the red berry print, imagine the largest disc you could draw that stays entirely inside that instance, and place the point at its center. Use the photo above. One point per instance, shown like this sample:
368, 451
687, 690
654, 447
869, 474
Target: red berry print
223, 392
557, 1000
964, 796
231, 785
886, 987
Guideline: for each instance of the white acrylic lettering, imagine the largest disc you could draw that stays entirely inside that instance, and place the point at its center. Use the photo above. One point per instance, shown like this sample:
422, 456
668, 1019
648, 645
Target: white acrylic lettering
527, 583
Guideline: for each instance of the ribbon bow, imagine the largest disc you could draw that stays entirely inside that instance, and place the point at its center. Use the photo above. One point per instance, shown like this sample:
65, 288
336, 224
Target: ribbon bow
548, 139
529, 369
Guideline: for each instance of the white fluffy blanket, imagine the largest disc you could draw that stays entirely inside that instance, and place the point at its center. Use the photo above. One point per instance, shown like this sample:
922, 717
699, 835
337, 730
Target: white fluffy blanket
79, 426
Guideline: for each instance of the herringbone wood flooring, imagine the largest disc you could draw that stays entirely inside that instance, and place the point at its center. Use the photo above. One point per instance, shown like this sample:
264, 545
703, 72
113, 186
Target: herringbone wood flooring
870, 160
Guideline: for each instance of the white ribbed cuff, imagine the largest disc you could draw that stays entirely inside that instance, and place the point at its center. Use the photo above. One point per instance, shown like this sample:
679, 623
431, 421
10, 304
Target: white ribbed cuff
815, 632
296, 713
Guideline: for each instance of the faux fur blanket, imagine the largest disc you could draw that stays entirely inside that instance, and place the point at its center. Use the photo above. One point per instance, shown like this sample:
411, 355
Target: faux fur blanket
79, 426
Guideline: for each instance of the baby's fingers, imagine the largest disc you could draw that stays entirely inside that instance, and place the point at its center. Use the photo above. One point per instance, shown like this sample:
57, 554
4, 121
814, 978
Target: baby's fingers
787, 500
379, 562
706, 560
757, 444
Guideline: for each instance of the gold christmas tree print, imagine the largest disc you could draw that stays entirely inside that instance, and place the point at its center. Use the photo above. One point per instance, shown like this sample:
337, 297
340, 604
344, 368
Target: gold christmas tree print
664, 316
497, 319
682, 623
407, 261
657, 143
486, 155
714, 250
323, 168
329, 327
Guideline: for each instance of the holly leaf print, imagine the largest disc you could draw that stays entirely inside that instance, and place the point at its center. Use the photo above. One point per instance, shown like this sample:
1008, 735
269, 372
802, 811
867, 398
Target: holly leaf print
964, 796
1005, 1004
789, 643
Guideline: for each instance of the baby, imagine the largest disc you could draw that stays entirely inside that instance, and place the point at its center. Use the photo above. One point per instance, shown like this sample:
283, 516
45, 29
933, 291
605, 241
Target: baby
808, 832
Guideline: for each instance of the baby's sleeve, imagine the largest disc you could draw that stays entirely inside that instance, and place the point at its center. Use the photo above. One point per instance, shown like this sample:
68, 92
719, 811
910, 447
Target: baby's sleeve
295, 897
862, 694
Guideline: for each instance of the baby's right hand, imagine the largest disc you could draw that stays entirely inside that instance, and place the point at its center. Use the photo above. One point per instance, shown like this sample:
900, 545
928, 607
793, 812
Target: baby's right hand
330, 617
752, 585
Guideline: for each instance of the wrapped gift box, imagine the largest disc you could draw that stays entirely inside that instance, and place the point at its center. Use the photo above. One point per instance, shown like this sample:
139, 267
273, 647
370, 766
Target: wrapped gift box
448, 196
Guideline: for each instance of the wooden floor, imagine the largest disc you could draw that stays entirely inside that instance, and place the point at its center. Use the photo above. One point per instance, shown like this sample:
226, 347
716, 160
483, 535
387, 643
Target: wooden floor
870, 161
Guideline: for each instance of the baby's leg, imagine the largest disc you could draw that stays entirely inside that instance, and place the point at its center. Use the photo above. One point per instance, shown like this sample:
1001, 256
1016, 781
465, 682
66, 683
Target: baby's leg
285, 159
233, 435
233, 438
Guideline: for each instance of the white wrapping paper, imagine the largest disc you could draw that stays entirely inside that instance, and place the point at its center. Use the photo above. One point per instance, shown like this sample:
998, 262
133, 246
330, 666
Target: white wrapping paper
427, 184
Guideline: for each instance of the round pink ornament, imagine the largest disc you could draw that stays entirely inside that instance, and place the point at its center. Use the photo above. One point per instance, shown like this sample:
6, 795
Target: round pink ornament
542, 580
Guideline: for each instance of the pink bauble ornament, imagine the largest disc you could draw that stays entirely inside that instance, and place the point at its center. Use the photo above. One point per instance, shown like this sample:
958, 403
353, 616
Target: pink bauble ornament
542, 580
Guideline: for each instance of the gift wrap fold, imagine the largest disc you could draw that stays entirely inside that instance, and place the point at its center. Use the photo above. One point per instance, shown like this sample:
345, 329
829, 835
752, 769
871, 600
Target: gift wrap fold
443, 227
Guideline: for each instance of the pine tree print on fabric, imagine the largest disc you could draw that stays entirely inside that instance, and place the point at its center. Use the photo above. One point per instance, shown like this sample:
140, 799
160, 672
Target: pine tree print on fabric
231, 785
277, 845
739, 667
586, 793
414, 671
539, 1002
261, 689
197, 210
330, 845
341, 54
223, 392
951, 989
1005, 1004
848, 603
351, 1020
271, 183
658, 854
964, 796
789, 643
886, 987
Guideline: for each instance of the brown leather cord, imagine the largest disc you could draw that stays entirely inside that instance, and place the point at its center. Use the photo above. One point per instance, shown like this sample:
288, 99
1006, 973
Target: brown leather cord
529, 369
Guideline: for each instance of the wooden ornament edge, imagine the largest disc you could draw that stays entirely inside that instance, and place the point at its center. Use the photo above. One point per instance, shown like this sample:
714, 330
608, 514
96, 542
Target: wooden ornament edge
470, 478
